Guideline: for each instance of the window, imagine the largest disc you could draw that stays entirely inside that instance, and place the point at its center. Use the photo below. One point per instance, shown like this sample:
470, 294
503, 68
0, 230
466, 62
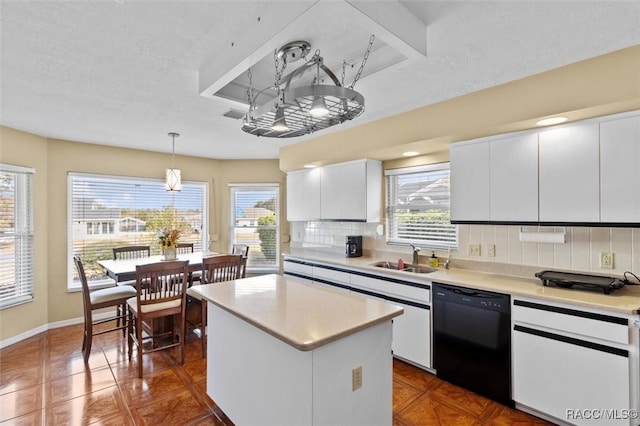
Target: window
112, 211
16, 235
418, 209
254, 220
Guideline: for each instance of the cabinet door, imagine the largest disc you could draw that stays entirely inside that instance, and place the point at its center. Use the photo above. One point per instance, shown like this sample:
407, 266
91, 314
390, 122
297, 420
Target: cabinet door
294, 196
412, 335
569, 174
514, 178
470, 181
620, 170
344, 192
303, 195
553, 377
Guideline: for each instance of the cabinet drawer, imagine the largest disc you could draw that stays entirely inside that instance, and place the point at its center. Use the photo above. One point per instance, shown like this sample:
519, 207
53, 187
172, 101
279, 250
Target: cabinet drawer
396, 289
298, 268
599, 326
330, 274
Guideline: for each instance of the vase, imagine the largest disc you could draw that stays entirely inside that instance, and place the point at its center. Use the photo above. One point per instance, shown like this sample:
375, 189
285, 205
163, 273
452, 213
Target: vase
170, 254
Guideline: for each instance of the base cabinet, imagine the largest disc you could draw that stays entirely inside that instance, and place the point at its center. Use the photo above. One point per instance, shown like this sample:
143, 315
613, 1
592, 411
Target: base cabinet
412, 335
575, 372
563, 379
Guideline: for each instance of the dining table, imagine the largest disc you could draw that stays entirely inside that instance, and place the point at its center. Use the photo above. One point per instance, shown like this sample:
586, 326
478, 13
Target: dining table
125, 269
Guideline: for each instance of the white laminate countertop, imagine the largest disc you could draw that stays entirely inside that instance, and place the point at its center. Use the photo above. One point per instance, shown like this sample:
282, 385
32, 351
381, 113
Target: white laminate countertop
303, 315
625, 300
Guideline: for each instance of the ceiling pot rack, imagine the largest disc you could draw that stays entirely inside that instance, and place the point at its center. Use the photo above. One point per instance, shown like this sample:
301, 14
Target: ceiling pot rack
305, 109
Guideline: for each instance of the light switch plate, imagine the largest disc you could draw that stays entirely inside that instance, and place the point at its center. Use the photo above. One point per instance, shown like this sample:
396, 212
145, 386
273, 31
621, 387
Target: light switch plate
474, 249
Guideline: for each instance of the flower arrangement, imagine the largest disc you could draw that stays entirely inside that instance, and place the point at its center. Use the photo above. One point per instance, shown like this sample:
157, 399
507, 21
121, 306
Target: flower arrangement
168, 238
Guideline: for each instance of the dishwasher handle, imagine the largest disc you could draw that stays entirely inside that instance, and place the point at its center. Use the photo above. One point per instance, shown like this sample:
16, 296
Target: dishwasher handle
466, 292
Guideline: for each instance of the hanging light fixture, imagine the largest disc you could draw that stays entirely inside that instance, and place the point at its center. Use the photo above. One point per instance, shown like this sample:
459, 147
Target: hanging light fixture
173, 180
279, 122
303, 109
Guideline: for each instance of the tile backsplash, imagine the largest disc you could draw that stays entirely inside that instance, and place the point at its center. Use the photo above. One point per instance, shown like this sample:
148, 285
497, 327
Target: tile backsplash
580, 252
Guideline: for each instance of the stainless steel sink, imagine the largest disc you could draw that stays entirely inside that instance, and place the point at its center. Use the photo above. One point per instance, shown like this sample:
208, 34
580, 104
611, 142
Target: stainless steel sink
419, 269
408, 267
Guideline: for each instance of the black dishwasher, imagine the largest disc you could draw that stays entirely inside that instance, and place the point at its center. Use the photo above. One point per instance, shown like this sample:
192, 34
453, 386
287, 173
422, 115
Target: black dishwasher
472, 340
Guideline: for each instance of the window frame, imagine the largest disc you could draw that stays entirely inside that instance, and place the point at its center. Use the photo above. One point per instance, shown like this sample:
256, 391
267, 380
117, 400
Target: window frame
423, 243
73, 286
23, 234
232, 221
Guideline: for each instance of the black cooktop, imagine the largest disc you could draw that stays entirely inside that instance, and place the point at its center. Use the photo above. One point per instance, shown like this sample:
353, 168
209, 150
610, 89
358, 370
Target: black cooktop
580, 281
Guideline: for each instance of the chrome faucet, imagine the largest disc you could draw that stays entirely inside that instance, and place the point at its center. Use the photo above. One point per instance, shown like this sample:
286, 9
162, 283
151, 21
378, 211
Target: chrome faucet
448, 262
416, 250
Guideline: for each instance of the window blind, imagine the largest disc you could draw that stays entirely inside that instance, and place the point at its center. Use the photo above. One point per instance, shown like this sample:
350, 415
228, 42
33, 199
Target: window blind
112, 211
16, 235
418, 207
254, 220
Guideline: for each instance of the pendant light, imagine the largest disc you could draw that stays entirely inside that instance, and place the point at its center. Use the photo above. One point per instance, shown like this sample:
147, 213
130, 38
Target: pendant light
318, 107
279, 122
173, 181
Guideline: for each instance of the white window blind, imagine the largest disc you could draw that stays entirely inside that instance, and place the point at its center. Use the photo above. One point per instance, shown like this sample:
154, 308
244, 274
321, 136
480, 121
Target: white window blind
112, 211
16, 235
418, 207
254, 220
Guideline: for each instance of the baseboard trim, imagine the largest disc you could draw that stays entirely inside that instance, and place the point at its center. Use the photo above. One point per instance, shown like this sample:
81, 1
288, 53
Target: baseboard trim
41, 329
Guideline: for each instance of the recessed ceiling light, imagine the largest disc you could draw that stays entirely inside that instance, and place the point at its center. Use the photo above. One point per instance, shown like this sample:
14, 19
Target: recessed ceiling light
309, 166
410, 153
551, 120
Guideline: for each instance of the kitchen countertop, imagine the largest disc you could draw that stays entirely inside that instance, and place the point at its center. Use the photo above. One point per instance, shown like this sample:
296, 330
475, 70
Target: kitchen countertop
302, 315
625, 300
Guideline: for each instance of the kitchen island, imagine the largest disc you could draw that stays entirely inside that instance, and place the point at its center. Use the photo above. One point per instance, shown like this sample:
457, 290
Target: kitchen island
284, 352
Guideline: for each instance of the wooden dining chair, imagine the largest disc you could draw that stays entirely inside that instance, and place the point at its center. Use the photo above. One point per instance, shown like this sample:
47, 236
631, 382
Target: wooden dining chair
131, 252
243, 250
98, 299
161, 291
182, 248
215, 269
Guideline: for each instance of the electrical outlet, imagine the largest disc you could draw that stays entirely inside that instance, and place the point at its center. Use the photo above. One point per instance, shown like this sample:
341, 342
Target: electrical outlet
491, 250
606, 260
356, 378
474, 249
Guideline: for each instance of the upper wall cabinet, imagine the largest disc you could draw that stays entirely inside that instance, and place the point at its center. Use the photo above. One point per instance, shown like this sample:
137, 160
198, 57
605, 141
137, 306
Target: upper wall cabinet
583, 173
620, 170
303, 195
514, 178
495, 180
348, 191
470, 165
569, 174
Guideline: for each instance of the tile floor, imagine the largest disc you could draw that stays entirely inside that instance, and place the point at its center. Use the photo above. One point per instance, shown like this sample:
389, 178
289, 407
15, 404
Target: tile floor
43, 380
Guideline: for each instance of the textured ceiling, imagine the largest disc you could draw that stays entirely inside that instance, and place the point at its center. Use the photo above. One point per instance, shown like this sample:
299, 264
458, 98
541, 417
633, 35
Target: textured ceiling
127, 72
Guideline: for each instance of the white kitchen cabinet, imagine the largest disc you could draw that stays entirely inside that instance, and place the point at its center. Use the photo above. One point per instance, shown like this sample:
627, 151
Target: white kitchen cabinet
351, 191
411, 330
513, 170
470, 181
620, 170
569, 174
567, 359
412, 335
303, 195
345, 191
495, 180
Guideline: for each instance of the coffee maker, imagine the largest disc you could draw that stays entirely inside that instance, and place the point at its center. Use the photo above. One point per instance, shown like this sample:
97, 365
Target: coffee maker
354, 246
